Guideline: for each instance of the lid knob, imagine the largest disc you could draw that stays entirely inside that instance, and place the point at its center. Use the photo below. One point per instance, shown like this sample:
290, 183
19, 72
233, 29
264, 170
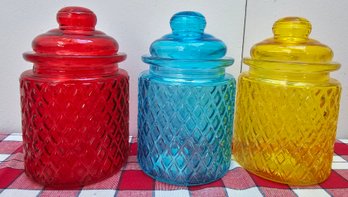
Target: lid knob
76, 18
292, 30
188, 23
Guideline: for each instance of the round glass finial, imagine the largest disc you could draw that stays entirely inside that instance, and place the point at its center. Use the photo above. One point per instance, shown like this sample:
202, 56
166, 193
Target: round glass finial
76, 18
292, 29
187, 23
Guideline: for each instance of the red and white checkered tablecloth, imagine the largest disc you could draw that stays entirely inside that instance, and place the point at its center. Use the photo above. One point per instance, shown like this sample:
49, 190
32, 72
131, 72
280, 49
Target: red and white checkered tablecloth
131, 181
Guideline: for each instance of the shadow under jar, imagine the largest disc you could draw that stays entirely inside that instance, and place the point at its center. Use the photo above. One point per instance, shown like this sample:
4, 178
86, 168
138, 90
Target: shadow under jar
287, 107
74, 104
186, 105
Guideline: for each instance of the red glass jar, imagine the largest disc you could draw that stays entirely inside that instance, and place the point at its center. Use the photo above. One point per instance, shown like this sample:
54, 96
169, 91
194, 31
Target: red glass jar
74, 103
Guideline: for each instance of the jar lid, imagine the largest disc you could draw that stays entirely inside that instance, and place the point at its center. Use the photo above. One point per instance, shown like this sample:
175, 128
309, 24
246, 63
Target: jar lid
292, 49
188, 44
75, 39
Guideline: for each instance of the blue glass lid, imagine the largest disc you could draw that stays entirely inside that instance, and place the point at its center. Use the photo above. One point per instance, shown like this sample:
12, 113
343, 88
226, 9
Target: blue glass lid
188, 46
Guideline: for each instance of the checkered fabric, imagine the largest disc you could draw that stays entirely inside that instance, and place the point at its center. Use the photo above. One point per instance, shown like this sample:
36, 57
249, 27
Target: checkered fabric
131, 181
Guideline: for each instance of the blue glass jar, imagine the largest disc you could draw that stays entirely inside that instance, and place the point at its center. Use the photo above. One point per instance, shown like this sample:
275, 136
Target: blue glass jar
186, 105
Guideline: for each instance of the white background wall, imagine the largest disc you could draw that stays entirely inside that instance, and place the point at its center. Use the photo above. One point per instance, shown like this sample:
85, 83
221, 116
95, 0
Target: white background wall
135, 24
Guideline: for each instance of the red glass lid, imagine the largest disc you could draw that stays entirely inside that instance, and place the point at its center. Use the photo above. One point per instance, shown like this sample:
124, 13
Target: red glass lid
76, 40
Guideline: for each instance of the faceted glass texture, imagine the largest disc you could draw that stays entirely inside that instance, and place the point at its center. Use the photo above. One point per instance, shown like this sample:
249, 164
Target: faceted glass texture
286, 132
185, 130
75, 131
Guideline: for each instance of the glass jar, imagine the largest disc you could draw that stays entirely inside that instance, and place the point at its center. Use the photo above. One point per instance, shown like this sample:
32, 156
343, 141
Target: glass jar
287, 107
74, 104
186, 105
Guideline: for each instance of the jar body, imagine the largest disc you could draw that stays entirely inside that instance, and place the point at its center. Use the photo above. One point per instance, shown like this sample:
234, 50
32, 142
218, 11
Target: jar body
75, 129
185, 128
285, 131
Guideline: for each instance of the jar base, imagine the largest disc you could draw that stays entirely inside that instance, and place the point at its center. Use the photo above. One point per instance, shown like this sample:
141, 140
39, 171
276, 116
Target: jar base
285, 182
74, 185
181, 184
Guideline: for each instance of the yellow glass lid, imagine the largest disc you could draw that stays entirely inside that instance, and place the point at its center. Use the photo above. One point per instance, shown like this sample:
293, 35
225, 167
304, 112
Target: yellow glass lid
291, 49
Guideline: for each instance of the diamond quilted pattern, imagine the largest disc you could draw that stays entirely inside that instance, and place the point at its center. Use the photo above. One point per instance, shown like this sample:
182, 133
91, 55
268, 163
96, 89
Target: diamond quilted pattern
185, 130
286, 132
75, 131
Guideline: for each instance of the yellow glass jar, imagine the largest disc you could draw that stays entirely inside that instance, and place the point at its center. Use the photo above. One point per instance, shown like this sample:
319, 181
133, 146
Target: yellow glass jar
287, 107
